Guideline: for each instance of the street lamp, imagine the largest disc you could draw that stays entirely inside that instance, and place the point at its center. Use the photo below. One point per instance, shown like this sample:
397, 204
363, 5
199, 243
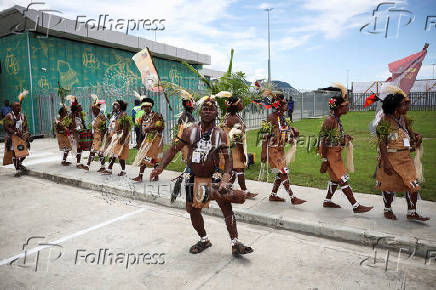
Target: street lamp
269, 47
433, 64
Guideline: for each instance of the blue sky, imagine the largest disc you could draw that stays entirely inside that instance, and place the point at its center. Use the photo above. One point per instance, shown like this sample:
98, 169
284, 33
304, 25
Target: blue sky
313, 42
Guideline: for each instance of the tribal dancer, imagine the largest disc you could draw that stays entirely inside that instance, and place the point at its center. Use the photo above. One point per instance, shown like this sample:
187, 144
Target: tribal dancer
118, 133
396, 170
273, 146
185, 120
234, 127
62, 134
17, 138
77, 124
150, 152
99, 131
205, 142
332, 143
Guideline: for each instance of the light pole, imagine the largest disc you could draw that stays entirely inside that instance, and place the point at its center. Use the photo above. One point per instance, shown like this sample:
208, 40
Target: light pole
433, 69
348, 77
269, 48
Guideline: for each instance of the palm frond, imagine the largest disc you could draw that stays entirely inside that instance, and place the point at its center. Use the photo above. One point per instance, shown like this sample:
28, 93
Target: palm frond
200, 76
229, 69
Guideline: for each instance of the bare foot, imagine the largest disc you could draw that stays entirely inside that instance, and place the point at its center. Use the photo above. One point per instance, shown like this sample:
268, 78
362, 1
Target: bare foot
122, 173
330, 204
297, 201
389, 214
138, 178
362, 209
417, 217
276, 198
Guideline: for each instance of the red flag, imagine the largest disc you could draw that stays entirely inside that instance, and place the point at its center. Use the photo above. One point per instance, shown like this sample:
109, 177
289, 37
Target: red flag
257, 84
404, 71
370, 100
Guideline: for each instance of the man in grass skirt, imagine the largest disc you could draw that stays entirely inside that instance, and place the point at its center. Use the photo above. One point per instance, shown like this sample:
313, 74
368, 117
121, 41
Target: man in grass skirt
98, 137
17, 139
234, 127
396, 171
62, 124
150, 152
332, 143
205, 142
120, 125
273, 146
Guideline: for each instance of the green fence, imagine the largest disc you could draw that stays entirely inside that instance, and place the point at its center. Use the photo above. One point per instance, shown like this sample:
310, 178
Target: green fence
82, 67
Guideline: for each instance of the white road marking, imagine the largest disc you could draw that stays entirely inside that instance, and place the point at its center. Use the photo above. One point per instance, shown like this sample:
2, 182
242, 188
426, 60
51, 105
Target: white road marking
77, 234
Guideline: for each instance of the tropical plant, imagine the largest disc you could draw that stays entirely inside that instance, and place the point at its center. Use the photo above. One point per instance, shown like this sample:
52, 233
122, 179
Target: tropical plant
62, 93
231, 82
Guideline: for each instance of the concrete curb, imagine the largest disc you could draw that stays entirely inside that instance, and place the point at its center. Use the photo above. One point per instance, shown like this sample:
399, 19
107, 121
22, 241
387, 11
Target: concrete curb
418, 247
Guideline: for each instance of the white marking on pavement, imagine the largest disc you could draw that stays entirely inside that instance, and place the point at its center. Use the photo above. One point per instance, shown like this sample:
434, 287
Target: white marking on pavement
77, 234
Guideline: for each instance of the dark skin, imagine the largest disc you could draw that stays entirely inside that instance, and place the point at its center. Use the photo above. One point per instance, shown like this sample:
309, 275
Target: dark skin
233, 119
208, 115
150, 129
9, 126
273, 119
332, 123
400, 112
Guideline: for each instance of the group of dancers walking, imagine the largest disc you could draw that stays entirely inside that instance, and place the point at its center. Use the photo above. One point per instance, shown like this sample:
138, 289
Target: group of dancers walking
215, 155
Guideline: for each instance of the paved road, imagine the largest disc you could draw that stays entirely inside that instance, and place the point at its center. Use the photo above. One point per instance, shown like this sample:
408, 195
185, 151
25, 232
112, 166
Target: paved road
77, 223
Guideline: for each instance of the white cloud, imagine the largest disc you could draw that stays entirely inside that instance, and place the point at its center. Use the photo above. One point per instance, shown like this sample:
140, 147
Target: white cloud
333, 17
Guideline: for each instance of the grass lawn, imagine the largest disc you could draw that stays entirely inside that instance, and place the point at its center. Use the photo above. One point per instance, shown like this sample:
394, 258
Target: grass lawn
305, 170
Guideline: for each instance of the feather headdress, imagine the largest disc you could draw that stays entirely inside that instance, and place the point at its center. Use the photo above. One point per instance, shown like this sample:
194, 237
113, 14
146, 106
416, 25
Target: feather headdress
95, 102
391, 89
72, 99
342, 89
223, 94
22, 95
207, 99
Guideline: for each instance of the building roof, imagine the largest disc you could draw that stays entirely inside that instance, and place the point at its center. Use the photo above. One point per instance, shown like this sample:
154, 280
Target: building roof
19, 18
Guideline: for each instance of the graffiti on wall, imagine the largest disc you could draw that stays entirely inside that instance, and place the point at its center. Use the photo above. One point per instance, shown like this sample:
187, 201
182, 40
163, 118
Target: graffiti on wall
11, 62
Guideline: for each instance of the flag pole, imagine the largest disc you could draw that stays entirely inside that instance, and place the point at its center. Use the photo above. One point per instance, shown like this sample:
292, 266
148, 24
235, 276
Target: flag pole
158, 77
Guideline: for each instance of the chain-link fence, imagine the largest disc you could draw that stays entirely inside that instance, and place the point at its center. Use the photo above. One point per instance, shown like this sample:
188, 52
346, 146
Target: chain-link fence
47, 101
419, 101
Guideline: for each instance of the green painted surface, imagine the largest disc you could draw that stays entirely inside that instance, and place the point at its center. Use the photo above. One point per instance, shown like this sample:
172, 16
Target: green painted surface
85, 68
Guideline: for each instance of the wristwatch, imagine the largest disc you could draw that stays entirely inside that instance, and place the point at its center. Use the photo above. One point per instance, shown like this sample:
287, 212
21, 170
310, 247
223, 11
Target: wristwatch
324, 160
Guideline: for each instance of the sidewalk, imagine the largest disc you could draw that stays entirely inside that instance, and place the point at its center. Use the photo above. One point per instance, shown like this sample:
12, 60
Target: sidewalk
310, 218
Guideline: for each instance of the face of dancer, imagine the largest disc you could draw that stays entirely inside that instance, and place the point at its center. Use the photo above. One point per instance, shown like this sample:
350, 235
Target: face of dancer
343, 109
403, 107
96, 111
63, 113
16, 108
208, 112
239, 106
147, 109
116, 107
